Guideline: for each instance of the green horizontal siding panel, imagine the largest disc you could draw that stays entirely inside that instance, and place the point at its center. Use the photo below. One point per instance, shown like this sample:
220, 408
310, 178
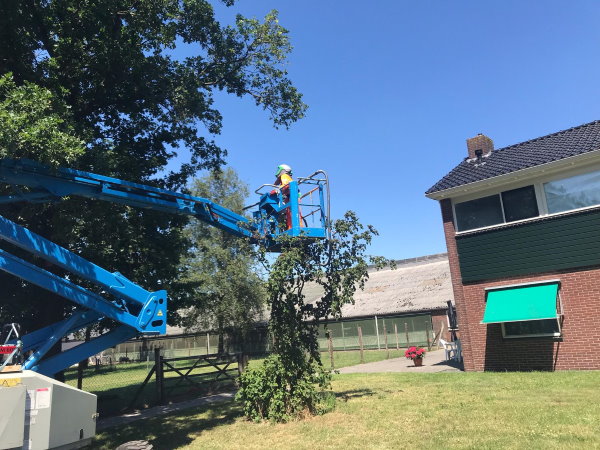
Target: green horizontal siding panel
559, 243
543, 252
519, 304
483, 242
527, 235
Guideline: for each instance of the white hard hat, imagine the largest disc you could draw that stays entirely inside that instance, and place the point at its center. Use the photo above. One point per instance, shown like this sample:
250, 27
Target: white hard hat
283, 168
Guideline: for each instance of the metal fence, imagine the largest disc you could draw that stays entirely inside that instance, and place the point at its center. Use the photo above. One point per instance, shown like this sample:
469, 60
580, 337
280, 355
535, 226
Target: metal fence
141, 350
114, 384
401, 331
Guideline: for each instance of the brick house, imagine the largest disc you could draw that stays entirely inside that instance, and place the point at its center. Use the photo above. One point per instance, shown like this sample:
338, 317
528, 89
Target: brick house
522, 228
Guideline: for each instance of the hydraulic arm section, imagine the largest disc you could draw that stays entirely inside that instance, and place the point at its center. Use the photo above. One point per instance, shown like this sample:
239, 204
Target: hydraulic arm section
132, 307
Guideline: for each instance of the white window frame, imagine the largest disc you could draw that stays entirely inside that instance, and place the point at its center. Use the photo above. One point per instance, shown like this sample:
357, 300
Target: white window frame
538, 185
502, 206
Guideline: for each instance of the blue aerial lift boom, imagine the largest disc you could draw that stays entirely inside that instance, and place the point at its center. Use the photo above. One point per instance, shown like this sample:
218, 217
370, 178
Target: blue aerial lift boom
136, 310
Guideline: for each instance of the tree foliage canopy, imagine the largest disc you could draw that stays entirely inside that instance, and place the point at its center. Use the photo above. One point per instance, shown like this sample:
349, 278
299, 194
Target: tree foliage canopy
112, 63
100, 80
33, 121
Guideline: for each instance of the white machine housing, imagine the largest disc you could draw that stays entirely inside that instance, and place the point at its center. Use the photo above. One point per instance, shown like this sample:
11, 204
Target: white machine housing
37, 413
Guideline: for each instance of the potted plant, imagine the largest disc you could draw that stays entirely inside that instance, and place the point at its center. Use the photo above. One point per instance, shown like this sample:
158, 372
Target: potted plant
416, 354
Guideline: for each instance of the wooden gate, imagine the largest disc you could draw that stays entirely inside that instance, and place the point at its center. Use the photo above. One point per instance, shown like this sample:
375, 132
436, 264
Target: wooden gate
201, 374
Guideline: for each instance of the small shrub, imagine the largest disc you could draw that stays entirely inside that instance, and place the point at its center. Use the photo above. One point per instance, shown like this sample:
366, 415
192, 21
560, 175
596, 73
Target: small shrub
278, 393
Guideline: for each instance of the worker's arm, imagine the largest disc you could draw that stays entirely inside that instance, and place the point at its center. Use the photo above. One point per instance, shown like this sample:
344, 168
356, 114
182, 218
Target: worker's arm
284, 181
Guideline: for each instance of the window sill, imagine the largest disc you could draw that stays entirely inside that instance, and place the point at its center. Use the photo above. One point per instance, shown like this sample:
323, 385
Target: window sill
535, 336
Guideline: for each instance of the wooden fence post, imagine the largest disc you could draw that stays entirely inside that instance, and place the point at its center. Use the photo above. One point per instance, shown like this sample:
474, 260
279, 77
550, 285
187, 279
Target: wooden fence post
387, 356
377, 333
160, 388
360, 343
396, 333
406, 332
428, 338
242, 361
80, 375
330, 335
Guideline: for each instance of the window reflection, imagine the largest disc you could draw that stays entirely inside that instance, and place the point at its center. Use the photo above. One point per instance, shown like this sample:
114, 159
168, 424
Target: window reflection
574, 192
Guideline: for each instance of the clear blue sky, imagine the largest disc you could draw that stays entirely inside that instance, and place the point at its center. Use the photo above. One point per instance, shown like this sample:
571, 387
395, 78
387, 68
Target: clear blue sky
395, 87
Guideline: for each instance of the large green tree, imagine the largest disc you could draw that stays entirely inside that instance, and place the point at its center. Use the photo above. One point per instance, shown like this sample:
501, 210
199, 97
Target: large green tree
124, 105
220, 272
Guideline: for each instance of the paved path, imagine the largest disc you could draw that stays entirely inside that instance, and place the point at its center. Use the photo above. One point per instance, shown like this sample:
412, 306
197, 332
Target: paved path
434, 361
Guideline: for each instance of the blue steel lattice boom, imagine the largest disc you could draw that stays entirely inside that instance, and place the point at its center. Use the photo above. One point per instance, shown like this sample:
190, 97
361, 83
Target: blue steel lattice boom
132, 307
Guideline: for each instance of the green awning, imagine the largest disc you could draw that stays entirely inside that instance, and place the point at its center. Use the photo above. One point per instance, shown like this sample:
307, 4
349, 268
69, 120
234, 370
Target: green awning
516, 304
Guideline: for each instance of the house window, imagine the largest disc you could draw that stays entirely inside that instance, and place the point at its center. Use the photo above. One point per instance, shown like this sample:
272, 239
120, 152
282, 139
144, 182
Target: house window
520, 204
478, 213
528, 310
531, 328
508, 206
574, 192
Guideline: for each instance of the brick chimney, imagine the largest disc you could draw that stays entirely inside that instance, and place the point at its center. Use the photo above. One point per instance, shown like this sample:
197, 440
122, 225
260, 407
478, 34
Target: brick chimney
479, 142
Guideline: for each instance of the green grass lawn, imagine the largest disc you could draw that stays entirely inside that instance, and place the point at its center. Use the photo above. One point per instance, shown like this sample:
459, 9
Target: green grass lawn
350, 357
116, 386
440, 410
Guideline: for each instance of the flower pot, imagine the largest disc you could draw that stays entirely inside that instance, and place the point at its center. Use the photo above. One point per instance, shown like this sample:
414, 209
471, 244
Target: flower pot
418, 362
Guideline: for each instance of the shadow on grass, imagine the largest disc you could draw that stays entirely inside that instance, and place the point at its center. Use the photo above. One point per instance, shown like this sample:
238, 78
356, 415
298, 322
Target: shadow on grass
117, 401
170, 431
355, 393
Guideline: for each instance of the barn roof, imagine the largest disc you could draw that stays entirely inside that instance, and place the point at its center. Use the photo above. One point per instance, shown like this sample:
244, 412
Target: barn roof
417, 284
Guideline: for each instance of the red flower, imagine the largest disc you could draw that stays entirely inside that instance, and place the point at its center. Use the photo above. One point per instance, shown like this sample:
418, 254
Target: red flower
414, 352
